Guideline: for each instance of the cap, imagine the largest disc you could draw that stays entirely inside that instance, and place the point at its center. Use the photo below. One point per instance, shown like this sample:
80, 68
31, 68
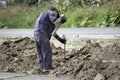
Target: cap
53, 9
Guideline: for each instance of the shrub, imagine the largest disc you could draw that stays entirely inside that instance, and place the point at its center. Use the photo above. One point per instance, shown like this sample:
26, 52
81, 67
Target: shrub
78, 16
18, 17
26, 2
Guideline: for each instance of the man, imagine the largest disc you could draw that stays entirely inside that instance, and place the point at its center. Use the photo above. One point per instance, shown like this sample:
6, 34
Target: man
44, 26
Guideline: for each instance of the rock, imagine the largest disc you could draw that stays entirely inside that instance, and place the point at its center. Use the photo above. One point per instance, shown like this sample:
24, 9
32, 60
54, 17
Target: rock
3, 4
78, 68
6, 42
99, 77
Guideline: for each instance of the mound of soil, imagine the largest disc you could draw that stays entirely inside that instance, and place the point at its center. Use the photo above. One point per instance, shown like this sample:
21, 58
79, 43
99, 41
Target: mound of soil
91, 62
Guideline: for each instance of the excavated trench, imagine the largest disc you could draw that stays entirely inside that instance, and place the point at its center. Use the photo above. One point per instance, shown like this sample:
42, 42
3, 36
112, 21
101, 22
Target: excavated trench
91, 62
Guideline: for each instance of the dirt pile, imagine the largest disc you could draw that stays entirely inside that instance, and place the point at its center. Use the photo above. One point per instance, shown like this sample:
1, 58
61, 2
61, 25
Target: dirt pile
18, 56
91, 62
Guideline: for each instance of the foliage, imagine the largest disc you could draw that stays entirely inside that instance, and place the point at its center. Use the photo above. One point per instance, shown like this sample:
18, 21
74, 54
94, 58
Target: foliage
18, 17
79, 14
27, 2
74, 3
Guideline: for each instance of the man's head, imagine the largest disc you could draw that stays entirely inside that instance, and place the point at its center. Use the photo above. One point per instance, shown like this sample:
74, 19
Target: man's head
55, 11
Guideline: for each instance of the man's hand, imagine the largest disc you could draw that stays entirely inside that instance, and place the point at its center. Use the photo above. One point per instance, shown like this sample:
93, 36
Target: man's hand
63, 41
63, 19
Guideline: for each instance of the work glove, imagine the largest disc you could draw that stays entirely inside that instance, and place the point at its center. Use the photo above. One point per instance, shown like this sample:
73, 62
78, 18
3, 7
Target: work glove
60, 39
63, 19
63, 41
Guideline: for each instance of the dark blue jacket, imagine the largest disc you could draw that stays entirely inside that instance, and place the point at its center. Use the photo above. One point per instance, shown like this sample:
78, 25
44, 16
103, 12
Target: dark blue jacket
45, 23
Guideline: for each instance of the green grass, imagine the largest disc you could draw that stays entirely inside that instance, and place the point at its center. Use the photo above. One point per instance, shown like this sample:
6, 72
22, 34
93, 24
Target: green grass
103, 16
19, 17
24, 16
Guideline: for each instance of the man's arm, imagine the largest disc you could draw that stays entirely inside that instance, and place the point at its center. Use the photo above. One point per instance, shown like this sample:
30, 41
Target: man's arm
52, 17
57, 20
60, 39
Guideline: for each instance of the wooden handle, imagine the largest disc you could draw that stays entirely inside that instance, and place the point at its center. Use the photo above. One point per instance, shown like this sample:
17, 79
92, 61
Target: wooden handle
57, 27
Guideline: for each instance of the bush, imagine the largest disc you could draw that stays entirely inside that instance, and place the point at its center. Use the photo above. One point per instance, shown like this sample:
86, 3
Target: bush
26, 2
25, 16
18, 17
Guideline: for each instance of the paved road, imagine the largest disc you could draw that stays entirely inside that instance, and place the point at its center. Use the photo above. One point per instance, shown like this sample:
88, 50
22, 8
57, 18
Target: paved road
105, 33
16, 76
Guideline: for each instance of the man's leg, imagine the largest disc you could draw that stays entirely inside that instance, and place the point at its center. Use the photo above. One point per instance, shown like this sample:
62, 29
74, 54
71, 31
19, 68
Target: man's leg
46, 52
39, 49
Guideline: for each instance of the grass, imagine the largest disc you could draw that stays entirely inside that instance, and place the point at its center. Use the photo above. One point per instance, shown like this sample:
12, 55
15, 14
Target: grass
24, 17
103, 16
18, 17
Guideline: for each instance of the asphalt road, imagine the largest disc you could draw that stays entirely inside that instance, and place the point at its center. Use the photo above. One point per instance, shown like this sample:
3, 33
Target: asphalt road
16, 76
95, 32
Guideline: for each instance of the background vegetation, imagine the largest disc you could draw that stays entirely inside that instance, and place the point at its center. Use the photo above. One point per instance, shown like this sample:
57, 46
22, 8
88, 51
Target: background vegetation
80, 13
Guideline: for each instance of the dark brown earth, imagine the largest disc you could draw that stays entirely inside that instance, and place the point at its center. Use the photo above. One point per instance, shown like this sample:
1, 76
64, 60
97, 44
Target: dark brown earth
91, 62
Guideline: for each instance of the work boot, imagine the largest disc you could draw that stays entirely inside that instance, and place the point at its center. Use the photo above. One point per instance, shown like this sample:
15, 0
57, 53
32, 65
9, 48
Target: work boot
48, 70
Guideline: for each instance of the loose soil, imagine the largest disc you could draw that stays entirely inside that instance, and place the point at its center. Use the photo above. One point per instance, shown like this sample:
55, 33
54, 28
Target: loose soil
89, 62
